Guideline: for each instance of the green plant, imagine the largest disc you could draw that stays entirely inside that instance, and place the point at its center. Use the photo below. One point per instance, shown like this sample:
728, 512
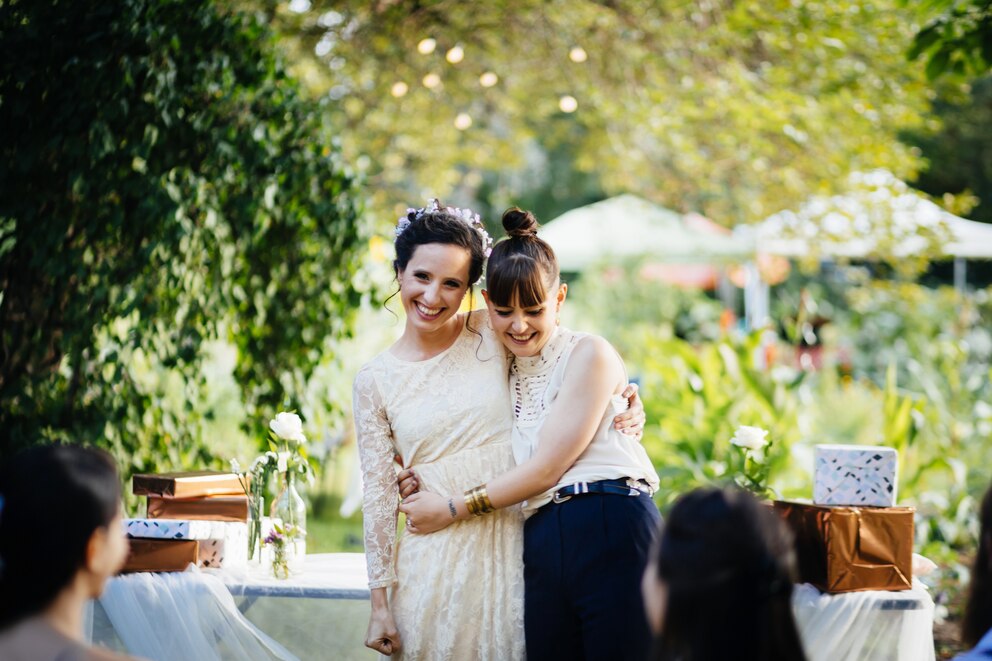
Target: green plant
167, 190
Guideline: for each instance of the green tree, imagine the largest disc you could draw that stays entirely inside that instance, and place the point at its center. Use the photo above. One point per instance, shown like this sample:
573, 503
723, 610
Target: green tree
735, 109
163, 183
957, 40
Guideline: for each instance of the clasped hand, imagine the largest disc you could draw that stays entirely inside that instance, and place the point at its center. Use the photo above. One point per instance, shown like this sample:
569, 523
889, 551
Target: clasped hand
425, 511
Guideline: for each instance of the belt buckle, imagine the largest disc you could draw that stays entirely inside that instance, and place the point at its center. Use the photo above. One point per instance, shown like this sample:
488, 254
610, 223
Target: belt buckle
559, 498
637, 484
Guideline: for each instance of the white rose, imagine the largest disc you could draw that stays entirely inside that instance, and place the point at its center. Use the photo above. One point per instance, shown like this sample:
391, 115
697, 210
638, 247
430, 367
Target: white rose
751, 438
288, 427
282, 465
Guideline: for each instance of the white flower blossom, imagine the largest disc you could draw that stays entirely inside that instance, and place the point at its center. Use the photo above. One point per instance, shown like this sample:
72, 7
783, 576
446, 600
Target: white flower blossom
750, 438
288, 427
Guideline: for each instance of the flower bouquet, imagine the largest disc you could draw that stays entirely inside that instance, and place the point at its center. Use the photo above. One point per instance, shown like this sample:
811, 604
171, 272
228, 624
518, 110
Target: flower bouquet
287, 457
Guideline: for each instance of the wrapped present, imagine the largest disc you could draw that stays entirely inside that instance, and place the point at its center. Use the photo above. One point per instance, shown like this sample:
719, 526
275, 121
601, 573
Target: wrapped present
223, 544
188, 485
859, 475
210, 508
161, 555
847, 549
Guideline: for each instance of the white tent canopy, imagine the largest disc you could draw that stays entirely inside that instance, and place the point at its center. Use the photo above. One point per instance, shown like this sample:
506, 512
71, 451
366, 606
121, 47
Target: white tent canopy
628, 226
881, 214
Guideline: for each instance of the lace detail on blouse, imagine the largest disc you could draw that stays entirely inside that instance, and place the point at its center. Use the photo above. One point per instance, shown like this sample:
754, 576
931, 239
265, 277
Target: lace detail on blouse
530, 377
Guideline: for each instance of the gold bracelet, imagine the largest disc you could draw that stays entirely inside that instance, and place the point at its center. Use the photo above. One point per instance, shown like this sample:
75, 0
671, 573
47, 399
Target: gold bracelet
477, 501
487, 505
470, 504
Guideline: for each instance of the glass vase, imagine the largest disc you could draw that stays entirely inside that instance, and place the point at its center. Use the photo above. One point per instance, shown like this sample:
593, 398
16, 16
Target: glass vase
290, 508
256, 506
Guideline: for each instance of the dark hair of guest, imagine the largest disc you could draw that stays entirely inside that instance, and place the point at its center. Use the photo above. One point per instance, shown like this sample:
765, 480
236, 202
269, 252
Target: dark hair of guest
728, 564
522, 267
977, 618
53, 499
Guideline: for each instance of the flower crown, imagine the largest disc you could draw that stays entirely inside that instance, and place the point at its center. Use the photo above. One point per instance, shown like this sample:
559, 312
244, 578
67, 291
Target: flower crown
466, 215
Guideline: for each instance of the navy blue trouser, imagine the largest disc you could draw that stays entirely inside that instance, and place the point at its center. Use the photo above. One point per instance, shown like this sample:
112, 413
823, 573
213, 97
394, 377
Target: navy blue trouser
583, 562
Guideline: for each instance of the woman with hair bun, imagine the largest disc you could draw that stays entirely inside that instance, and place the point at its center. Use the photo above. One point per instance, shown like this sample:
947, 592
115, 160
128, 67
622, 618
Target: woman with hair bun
48, 575
588, 487
438, 399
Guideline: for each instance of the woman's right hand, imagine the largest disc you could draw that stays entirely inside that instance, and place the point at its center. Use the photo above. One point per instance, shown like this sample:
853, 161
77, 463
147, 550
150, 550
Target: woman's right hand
382, 635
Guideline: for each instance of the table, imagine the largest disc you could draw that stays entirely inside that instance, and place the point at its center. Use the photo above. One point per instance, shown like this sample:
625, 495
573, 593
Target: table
873, 625
323, 614
206, 614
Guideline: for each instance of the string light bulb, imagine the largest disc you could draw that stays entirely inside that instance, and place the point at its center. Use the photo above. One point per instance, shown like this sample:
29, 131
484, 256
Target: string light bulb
488, 79
567, 103
463, 121
426, 46
455, 55
399, 89
578, 54
431, 81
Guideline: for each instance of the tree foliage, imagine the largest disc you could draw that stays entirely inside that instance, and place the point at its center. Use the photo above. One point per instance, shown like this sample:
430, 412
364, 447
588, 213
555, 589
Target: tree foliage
736, 109
958, 40
163, 183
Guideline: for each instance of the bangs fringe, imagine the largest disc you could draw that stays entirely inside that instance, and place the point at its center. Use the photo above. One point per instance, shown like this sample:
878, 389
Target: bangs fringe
519, 277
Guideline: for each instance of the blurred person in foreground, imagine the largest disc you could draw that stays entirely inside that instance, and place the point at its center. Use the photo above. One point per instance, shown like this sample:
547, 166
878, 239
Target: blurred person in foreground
976, 628
61, 538
719, 583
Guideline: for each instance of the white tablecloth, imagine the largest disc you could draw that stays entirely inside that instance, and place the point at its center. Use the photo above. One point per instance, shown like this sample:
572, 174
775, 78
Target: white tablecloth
323, 614
865, 626
209, 615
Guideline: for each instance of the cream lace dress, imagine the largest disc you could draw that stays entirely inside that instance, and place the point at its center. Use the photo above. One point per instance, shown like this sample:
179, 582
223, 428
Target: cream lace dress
457, 593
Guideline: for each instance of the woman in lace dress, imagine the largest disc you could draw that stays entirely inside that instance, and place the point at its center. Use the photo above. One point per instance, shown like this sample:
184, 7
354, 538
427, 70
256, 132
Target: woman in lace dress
590, 516
438, 399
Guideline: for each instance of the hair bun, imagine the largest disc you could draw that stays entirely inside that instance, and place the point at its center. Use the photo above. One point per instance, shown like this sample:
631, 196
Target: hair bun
519, 223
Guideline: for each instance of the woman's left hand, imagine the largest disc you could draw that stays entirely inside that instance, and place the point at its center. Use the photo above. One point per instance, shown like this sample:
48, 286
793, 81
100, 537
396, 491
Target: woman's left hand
426, 512
631, 421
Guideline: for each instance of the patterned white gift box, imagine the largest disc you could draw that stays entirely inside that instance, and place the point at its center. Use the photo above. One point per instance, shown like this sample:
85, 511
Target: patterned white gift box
223, 544
855, 475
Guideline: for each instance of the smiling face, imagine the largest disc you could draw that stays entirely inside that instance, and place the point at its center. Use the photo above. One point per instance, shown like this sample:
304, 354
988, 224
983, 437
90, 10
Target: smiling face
433, 285
525, 330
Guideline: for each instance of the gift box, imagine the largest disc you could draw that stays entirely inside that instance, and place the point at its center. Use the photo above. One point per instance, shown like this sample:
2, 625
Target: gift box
188, 485
859, 475
222, 544
210, 508
847, 549
161, 555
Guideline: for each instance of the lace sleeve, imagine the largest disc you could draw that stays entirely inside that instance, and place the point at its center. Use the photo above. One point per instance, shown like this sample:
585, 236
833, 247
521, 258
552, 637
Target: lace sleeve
381, 493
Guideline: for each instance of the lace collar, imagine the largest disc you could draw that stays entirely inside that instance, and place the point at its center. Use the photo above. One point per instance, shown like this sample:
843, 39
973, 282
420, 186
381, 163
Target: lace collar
547, 358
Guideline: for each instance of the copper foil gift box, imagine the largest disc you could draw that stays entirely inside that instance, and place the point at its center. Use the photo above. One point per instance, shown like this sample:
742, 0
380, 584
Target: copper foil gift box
161, 555
222, 544
209, 508
847, 549
188, 485
859, 475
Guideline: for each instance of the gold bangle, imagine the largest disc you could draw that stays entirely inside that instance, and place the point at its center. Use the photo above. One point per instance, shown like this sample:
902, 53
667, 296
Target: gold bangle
487, 505
477, 501
470, 502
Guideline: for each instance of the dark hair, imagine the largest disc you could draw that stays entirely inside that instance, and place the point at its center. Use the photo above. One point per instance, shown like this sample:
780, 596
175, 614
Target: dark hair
54, 498
727, 562
442, 227
521, 266
978, 611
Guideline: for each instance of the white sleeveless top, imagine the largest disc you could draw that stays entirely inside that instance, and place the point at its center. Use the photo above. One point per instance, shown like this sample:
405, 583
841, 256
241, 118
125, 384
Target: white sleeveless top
534, 385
